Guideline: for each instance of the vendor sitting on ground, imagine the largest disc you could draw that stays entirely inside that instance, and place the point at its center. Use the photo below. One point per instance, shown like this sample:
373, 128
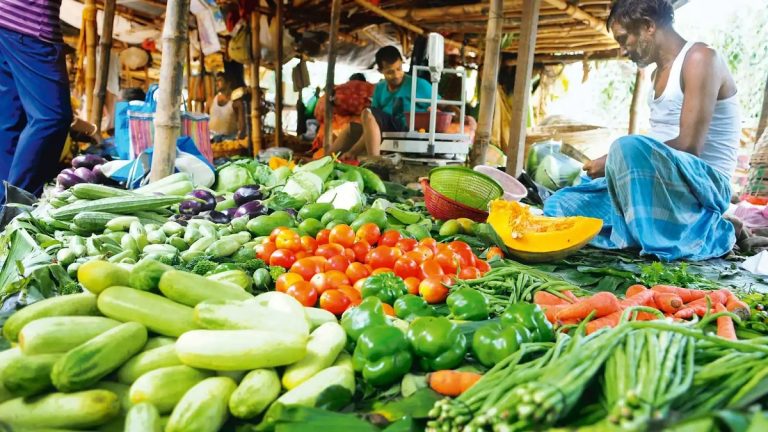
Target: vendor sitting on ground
227, 115
665, 193
391, 99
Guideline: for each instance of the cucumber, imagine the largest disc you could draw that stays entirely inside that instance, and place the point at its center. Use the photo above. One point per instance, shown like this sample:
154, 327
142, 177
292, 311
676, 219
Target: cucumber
84, 409
121, 390
236, 376
146, 361
157, 342
143, 417
85, 365
146, 274
255, 393
203, 408
232, 350
73, 304
53, 335
325, 344
96, 276
236, 277
6, 358
306, 393
318, 317
29, 375
191, 289
164, 387
157, 313
237, 315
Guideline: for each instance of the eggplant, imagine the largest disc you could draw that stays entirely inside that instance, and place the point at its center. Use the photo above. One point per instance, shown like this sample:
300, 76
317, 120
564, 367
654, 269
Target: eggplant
291, 212
85, 174
67, 180
208, 198
190, 207
230, 212
87, 161
247, 193
67, 171
99, 174
218, 217
251, 209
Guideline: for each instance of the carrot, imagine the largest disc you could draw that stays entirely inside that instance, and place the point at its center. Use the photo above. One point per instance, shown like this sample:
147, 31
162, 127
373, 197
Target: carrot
452, 382
634, 289
543, 298
550, 311
643, 298
738, 307
571, 296
699, 307
687, 295
725, 328
667, 302
611, 320
602, 303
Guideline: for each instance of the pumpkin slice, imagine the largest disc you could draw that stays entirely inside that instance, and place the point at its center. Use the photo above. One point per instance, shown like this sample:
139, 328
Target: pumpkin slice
534, 238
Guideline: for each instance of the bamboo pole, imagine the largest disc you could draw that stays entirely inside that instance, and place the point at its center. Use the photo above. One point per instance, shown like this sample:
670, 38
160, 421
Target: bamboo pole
488, 87
522, 93
580, 14
330, 75
167, 116
762, 124
279, 77
637, 97
89, 16
255, 82
105, 51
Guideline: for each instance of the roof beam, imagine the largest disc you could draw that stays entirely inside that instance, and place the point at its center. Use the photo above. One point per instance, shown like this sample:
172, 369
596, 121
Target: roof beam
579, 14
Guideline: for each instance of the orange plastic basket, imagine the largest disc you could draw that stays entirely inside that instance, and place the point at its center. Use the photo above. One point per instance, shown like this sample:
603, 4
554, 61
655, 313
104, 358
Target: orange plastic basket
443, 208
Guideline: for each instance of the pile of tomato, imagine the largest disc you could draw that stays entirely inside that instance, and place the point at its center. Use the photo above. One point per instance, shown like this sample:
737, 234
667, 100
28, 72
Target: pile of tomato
328, 270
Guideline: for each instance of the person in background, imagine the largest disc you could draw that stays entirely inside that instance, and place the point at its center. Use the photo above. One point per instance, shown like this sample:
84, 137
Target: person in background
227, 115
35, 105
665, 193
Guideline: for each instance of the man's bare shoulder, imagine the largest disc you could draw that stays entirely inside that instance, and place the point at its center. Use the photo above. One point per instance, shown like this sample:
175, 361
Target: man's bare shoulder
701, 54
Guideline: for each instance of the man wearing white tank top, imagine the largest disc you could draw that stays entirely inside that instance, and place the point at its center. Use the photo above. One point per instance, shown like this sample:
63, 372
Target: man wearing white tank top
665, 193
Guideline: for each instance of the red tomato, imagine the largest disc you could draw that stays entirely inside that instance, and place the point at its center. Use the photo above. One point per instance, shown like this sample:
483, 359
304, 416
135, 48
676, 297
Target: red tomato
448, 280
285, 280
431, 268
383, 256
352, 294
283, 258
390, 238
350, 254
265, 250
433, 291
334, 301
482, 266
329, 250
337, 278
413, 285
388, 310
406, 267
322, 236
343, 235
361, 249
320, 283
448, 261
308, 244
464, 252
303, 292
424, 253
494, 252
275, 232
288, 239
308, 267
468, 273
430, 243
337, 262
356, 271
302, 254
369, 232
407, 244
358, 286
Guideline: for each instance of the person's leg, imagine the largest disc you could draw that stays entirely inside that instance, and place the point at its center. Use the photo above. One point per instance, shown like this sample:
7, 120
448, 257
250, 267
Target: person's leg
668, 202
12, 119
589, 199
346, 139
40, 73
371, 133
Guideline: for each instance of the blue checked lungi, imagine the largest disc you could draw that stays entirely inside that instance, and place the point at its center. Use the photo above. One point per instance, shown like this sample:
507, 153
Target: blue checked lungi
663, 201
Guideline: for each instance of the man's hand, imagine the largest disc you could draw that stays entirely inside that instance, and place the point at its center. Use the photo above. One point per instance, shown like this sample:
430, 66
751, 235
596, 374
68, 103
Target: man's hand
596, 168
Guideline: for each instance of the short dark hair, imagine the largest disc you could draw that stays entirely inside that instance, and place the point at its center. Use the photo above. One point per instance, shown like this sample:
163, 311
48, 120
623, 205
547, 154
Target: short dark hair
357, 77
133, 94
389, 55
631, 14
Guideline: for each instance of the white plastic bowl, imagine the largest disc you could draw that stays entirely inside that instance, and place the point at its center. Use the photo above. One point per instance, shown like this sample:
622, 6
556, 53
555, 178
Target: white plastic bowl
513, 189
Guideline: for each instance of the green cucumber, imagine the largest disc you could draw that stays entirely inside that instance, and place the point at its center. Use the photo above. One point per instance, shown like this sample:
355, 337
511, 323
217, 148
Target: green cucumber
203, 407
157, 342
165, 387
73, 304
29, 375
238, 315
146, 361
157, 313
146, 274
258, 389
236, 277
191, 289
86, 409
51, 335
96, 275
324, 345
143, 417
306, 393
318, 317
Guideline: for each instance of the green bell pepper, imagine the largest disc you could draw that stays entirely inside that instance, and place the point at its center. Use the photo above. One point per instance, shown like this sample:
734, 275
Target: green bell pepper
369, 313
410, 307
382, 355
531, 317
438, 342
494, 342
468, 304
386, 286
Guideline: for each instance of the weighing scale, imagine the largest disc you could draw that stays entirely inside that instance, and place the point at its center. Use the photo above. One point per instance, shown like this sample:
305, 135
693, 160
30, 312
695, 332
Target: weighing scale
431, 147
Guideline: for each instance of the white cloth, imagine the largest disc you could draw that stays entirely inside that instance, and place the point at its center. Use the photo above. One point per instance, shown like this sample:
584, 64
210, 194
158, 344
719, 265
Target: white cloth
223, 119
722, 142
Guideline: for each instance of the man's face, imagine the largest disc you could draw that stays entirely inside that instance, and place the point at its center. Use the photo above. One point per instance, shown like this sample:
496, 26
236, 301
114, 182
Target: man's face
220, 84
393, 73
639, 46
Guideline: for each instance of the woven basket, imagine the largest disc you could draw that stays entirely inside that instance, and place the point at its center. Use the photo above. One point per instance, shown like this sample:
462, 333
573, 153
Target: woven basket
443, 208
757, 183
471, 188
592, 140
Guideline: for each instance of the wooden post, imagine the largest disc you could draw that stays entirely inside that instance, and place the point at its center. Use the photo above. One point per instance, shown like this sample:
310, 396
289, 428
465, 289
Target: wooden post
105, 51
89, 16
528, 28
637, 98
762, 124
167, 116
489, 84
330, 75
255, 84
279, 77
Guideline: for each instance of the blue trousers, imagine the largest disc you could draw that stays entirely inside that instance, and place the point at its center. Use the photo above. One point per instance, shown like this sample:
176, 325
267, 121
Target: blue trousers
35, 110
662, 201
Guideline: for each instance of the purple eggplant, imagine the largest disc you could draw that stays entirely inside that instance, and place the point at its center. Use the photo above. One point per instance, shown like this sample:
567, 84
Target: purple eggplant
87, 161
218, 217
291, 212
85, 174
190, 207
67, 180
251, 209
209, 201
247, 193
230, 212
68, 171
99, 174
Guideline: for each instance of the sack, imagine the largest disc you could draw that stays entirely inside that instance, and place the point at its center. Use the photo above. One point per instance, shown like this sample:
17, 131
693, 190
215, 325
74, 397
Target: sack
352, 97
239, 48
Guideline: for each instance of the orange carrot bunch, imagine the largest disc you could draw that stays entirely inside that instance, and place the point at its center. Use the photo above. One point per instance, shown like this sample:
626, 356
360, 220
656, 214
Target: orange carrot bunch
452, 382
